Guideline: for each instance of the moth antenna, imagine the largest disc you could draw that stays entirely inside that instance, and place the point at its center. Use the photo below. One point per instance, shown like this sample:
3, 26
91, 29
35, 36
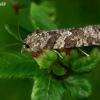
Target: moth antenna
14, 43
10, 45
19, 33
83, 51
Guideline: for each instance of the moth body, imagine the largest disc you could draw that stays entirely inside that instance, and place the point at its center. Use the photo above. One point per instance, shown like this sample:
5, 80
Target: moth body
67, 38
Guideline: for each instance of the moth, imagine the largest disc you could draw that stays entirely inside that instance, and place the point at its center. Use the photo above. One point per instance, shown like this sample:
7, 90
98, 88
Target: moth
67, 38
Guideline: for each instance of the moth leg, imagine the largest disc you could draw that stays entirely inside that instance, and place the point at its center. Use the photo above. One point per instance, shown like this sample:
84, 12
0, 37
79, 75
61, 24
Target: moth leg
58, 53
83, 51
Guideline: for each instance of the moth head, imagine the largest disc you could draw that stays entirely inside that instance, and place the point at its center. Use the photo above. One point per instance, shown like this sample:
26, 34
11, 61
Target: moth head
32, 42
31, 45
25, 47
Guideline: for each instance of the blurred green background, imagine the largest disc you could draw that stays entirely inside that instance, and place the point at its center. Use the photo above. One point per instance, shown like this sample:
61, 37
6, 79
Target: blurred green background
70, 13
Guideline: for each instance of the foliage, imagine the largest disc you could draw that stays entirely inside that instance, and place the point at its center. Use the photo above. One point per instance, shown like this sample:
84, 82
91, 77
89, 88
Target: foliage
17, 65
78, 86
52, 73
47, 87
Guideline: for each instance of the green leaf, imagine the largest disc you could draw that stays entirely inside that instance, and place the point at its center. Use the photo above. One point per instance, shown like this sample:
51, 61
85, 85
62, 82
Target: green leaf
46, 59
78, 86
49, 9
47, 88
13, 30
86, 63
74, 54
18, 65
58, 70
50, 55
65, 58
43, 63
41, 19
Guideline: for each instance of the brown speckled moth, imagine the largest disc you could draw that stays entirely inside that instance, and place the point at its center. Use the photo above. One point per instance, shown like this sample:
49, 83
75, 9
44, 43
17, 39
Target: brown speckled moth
67, 38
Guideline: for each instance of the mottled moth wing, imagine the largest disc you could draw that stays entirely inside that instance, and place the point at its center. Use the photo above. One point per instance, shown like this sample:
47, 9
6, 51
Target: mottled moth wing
78, 37
68, 38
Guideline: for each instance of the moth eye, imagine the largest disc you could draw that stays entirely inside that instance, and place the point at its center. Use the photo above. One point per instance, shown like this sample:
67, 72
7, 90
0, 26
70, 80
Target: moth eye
27, 46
